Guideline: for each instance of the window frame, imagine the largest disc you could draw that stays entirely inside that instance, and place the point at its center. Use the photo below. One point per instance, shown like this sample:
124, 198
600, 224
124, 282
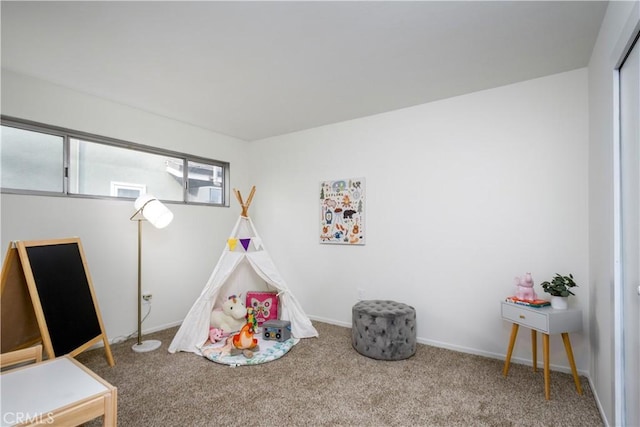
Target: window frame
68, 134
118, 185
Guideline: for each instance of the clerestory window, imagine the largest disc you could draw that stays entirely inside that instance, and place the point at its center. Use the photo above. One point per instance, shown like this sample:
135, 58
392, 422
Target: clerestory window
42, 159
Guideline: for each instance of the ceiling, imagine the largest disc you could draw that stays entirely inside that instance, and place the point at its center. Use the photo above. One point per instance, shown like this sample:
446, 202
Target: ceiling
252, 70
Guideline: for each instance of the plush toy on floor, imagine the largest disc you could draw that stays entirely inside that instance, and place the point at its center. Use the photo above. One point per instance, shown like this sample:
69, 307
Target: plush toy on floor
525, 288
241, 343
232, 316
245, 341
216, 335
251, 318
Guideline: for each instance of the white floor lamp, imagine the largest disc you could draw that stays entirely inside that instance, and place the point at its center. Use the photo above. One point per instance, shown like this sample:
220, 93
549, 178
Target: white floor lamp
151, 209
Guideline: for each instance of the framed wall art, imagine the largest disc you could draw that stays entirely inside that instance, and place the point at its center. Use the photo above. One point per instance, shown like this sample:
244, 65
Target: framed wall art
342, 207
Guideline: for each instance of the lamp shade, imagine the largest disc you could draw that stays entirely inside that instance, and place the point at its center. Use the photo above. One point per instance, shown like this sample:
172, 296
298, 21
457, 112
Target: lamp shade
153, 210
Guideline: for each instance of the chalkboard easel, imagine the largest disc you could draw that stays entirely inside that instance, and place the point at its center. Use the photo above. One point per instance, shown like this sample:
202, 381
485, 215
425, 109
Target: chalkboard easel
62, 296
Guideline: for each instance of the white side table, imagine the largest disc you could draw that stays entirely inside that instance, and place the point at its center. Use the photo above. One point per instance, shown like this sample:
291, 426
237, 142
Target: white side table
548, 321
59, 391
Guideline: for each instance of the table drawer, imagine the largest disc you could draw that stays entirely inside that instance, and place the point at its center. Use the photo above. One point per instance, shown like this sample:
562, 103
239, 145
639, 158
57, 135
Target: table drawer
525, 317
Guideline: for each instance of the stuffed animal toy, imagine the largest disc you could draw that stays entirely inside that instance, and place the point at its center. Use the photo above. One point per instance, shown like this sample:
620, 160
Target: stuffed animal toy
251, 318
241, 343
232, 316
245, 342
525, 288
216, 335
244, 339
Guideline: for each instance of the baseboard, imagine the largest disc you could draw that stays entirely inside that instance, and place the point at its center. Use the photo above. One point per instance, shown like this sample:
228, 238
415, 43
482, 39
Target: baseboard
598, 403
499, 356
162, 327
330, 321
123, 338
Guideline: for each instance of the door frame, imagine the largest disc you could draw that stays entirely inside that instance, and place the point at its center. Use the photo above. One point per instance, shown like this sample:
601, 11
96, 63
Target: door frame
626, 42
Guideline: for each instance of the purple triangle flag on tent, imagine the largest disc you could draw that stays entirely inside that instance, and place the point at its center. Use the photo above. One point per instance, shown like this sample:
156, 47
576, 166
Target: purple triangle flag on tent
245, 243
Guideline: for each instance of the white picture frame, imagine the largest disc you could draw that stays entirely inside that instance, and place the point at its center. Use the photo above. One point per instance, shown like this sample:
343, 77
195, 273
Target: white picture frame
342, 212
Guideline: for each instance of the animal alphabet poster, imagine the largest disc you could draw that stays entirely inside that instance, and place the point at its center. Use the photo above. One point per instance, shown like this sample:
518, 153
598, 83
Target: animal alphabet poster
342, 212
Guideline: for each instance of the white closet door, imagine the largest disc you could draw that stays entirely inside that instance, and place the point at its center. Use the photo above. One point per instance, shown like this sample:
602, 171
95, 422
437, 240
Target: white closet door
630, 228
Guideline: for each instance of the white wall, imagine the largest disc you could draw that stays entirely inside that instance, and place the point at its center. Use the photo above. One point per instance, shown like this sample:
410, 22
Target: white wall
462, 195
177, 260
614, 33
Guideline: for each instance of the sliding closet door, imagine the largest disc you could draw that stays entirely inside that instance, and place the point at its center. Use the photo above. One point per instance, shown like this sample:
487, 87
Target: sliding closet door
630, 228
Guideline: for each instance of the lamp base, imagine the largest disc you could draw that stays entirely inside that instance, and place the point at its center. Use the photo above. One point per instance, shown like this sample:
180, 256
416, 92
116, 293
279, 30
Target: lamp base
145, 346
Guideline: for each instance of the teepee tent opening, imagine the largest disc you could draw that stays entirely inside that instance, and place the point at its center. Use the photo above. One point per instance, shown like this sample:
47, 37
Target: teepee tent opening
245, 265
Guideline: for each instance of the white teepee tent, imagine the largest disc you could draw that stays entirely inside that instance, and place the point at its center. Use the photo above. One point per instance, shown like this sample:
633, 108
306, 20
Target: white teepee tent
244, 265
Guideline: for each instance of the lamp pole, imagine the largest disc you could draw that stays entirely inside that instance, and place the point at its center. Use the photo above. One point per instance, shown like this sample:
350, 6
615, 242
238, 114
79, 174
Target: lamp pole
159, 216
139, 281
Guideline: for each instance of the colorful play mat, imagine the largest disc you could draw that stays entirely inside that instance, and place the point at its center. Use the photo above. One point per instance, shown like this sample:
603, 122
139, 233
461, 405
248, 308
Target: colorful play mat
268, 350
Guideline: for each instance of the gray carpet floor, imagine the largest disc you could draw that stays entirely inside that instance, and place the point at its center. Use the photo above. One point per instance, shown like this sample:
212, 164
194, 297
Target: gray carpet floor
325, 382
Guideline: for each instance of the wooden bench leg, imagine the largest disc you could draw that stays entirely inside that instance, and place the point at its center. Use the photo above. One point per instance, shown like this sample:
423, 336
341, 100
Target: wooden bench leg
512, 342
572, 363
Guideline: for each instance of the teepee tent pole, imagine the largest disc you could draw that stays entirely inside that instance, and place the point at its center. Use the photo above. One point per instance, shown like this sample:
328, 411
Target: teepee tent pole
245, 206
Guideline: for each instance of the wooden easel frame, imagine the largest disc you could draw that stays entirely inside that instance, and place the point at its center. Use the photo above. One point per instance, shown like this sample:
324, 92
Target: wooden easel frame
19, 324
37, 304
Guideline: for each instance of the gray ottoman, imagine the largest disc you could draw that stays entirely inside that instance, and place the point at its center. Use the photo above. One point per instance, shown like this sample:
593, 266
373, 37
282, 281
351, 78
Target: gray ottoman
384, 330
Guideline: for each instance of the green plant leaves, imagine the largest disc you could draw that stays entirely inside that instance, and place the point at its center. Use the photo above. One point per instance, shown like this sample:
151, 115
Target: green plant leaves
559, 285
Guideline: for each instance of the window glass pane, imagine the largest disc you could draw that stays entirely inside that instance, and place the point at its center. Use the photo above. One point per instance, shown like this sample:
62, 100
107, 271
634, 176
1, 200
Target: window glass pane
105, 170
31, 160
205, 183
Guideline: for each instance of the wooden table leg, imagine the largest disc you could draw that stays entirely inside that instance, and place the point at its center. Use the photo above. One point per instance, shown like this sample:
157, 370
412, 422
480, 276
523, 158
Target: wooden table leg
534, 349
110, 412
512, 342
572, 363
545, 356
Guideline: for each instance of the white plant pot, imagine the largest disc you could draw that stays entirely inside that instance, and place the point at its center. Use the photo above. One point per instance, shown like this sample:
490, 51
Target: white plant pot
559, 303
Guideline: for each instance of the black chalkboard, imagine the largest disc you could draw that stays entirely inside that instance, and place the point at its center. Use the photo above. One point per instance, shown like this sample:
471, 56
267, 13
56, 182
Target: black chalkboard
62, 295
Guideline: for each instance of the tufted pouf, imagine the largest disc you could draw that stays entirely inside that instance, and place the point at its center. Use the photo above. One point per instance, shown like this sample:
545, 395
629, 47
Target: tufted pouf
384, 330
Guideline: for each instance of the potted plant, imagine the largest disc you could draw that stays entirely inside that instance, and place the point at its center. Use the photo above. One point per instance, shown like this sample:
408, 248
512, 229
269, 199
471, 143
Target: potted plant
559, 288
